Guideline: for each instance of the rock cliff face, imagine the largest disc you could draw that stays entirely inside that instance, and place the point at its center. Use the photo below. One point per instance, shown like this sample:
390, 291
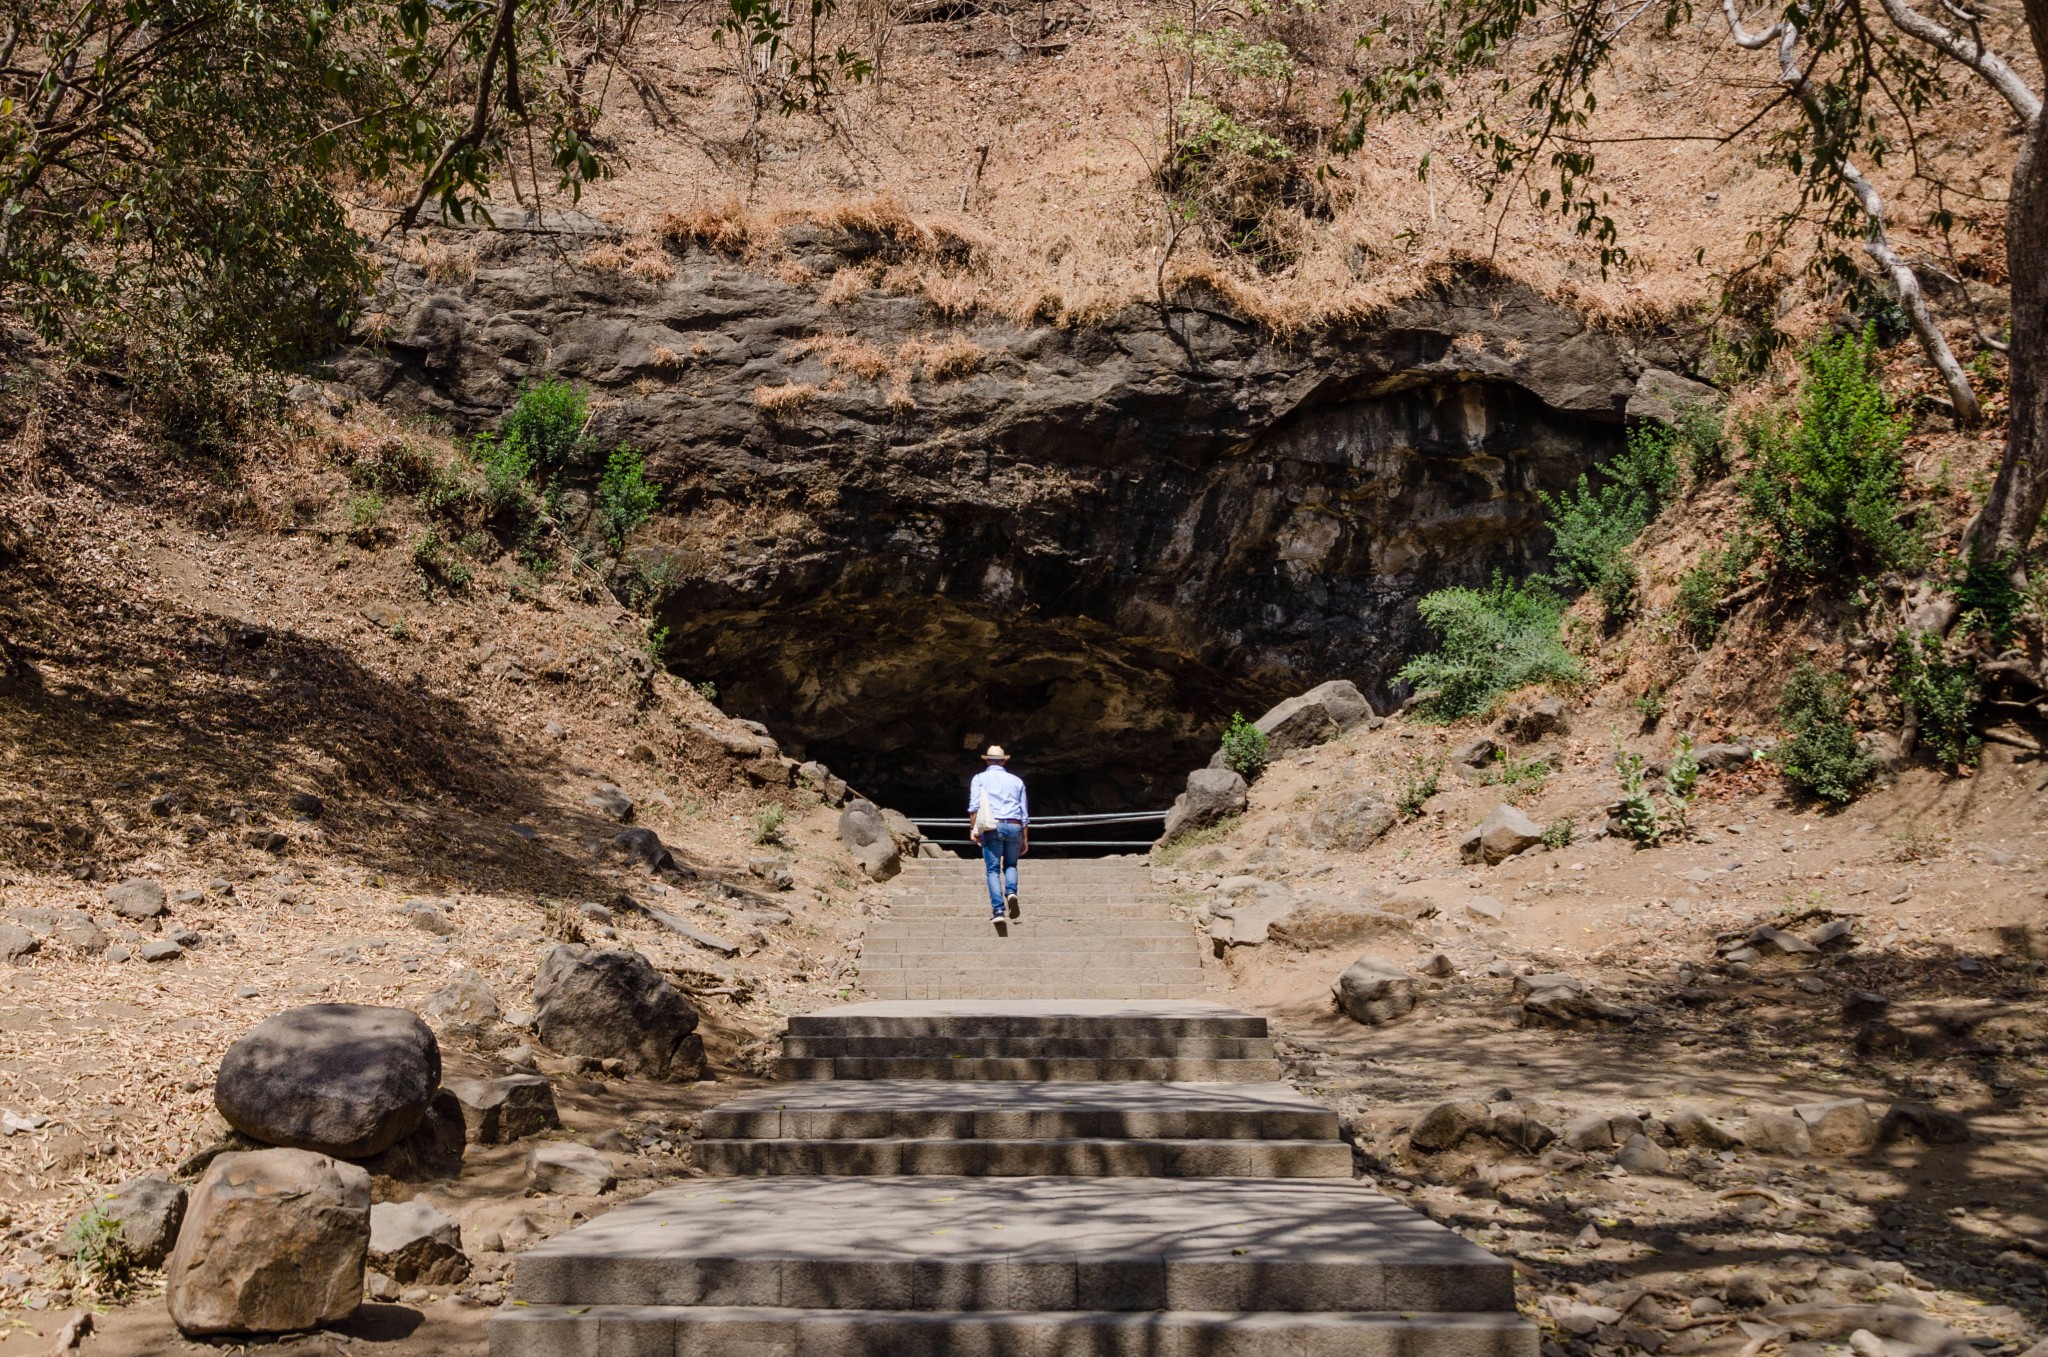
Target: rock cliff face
893, 535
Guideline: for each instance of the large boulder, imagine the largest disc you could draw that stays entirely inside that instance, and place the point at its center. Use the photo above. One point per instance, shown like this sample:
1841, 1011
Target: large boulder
433, 1150
497, 1111
1839, 1126
861, 824
348, 1080
415, 1243
1444, 1126
613, 1005
1528, 722
1322, 713
1320, 921
1349, 821
274, 1241
1213, 796
1504, 832
1373, 992
880, 860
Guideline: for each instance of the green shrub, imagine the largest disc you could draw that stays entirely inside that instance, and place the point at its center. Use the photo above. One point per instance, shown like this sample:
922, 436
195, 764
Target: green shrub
365, 513
1492, 641
1638, 808
1423, 780
1825, 488
434, 565
1943, 696
1697, 602
625, 497
1593, 529
1990, 601
1244, 748
546, 424
706, 689
101, 1257
1649, 705
506, 466
1518, 778
768, 822
1558, 833
1821, 754
1702, 439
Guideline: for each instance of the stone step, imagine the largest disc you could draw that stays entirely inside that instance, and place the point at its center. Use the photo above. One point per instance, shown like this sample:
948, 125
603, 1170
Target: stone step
977, 907
902, 988
1018, 959
1081, 1158
1047, 1048
1030, 1243
996, 971
1167, 1068
1041, 936
928, 1109
1046, 1018
762, 1331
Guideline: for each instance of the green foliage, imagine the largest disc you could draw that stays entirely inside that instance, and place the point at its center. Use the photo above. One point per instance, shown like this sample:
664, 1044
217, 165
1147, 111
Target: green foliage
1943, 696
1491, 642
1518, 778
1990, 601
768, 823
365, 514
1683, 778
1244, 748
706, 689
1702, 440
625, 497
101, 1258
546, 427
1649, 705
1825, 489
1595, 528
1638, 808
506, 466
657, 643
1423, 780
1821, 755
436, 567
1697, 603
1558, 833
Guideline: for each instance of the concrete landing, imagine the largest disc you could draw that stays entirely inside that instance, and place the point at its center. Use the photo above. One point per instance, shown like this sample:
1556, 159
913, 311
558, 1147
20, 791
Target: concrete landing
1009, 1111
975, 1244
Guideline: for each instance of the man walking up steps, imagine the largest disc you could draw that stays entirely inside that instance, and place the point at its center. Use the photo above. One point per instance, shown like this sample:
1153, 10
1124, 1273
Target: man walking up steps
1001, 827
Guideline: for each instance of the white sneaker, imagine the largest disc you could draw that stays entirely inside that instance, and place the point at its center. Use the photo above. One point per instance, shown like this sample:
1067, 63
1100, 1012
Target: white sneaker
1012, 903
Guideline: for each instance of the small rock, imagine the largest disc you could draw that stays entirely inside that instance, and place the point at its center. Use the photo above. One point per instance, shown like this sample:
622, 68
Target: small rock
610, 801
1864, 1343
1528, 722
1588, 1238
569, 1168
1373, 993
1601, 1131
416, 1242
1922, 1122
1439, 966
138, 898
1747, 1291
1350, 822
16, 942
1504, 832
1640, 1154
498, 1111
1780, 1133
161, 949
1791, 944
150, 1211
119, 952
1724, 758
880, 860
428, 916
306, 806
1213, 795
1689, 1126
465, 1003
644, 846
274, 1241
1446, 1125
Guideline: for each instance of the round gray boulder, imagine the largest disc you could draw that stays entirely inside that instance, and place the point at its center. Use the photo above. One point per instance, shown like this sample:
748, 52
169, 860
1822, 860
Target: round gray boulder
347, 1080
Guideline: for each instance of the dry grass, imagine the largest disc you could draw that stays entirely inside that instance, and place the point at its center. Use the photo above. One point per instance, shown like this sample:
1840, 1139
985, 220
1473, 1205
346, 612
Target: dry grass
845, 353
644, 257
441, 261
1063, 228
665, 358
785, 399
942, 359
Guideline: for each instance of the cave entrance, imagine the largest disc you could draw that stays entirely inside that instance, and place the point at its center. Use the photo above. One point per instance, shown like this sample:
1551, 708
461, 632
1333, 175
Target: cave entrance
899, 696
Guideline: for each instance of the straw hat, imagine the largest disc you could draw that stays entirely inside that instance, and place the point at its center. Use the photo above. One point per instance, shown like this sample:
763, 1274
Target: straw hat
995, 755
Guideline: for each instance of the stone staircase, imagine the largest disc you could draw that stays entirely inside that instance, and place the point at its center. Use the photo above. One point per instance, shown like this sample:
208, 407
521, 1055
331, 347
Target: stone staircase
1017, 1177
1089, 928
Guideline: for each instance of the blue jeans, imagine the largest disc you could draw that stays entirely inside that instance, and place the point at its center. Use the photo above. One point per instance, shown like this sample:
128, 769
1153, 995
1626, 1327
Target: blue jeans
999, 849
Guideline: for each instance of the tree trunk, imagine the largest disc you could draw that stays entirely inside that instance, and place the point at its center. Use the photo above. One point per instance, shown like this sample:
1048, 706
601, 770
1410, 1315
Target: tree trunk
2005, 525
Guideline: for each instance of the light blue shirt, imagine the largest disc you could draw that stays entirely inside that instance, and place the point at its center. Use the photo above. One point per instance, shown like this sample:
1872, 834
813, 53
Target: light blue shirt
1005, 794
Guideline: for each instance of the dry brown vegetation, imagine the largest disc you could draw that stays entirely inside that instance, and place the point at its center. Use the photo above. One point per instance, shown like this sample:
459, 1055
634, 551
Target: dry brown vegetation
1058, 221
